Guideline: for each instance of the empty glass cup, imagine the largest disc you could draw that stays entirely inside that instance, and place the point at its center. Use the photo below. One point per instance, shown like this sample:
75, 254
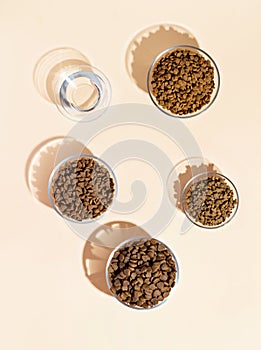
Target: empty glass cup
65, 77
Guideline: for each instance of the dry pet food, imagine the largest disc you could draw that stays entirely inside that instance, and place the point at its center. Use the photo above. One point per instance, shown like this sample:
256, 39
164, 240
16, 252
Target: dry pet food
209, 201
142, 274
182, 81
82, 189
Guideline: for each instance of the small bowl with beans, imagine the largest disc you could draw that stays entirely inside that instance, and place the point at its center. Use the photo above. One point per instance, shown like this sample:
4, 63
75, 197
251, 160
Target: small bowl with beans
183, 81
82, 188
210, 200
142, 273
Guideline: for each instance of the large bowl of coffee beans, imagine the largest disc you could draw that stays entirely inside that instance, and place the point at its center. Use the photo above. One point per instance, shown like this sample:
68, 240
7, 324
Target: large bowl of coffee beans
183, 81
210, 200
82, 188
142, 273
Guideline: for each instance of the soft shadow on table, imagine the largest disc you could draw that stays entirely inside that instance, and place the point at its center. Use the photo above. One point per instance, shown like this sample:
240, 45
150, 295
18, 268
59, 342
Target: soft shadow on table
42, 161
185, 176
99, 247
49, 67
148, 43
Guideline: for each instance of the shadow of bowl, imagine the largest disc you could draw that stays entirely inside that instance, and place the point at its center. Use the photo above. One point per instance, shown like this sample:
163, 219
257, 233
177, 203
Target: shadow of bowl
99, 246
148, 43
182, 173
42, 161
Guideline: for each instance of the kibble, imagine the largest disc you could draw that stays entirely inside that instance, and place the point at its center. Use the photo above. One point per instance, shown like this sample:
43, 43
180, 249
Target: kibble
182, 81
143, 285
210, 201
82, 189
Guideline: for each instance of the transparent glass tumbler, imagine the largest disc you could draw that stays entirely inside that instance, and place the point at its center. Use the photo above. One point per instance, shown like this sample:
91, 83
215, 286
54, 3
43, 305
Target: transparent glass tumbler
65, 77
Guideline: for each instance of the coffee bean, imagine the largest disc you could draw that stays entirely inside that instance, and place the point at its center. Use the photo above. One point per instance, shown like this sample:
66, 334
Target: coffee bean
164, 277
121, 257
156, 293
164, 267
133, 265
160, 285
140, 280
127, 272
114, 266
145, 258
121, 265
155, 266
157, 274
125, 285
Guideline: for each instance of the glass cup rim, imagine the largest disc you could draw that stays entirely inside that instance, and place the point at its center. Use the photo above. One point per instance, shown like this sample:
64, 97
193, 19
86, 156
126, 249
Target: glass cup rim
173, 48
103, 102
74, 157
207, 173
137, 239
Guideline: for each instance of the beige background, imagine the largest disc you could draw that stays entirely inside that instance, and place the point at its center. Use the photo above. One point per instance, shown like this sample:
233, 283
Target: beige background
46, 300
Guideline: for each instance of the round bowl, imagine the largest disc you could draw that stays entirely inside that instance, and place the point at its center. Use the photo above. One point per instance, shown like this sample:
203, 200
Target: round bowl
216, 79
206, 197
133, 242
68, 183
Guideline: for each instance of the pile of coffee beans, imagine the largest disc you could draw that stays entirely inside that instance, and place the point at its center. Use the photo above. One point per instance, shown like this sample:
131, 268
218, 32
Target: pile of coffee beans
209, 201
82, 188
142, 273
182, 81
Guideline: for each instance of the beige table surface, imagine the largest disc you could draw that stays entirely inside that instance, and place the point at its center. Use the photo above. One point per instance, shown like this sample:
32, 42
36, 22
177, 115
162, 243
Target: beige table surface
46, 300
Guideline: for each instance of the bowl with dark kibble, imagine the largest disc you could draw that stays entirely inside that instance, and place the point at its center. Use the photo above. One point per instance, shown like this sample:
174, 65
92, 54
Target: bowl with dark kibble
210, 200
82, 188
183, 81
142, 273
